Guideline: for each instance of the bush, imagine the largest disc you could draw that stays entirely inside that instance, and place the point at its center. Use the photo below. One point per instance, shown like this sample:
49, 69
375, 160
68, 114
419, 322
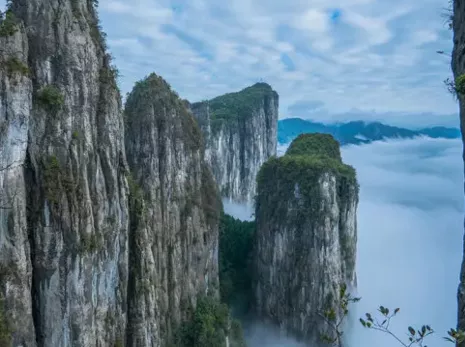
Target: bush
14, 65
8, 24
50, 98
208, 325
235, 249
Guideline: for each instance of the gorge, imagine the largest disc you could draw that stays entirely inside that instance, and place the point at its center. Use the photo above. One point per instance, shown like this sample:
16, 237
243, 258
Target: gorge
111, 223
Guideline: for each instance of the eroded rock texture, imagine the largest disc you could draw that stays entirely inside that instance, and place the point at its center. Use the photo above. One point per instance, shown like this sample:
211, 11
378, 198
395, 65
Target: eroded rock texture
305, 245
240, 131
174, 213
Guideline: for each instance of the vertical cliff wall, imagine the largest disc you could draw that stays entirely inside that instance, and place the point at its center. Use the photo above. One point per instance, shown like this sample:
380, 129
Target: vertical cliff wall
240, 131
305, 245
175, 210
458, 68
91, 255
65, 239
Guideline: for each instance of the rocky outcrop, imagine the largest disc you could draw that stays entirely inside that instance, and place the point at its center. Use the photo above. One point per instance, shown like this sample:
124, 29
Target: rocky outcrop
15, 114
240, 131
175, 210
91, 255
305, 245
458, 68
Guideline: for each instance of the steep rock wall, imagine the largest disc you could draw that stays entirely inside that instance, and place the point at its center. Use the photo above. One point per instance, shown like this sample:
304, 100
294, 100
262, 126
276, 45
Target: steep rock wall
76, 188
458, 68
175, 210
15, 264
240, 131
305, 245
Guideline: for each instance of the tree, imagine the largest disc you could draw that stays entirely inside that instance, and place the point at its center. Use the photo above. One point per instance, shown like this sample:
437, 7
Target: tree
380, 322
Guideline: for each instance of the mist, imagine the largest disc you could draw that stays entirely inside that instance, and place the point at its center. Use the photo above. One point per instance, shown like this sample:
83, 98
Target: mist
410, 228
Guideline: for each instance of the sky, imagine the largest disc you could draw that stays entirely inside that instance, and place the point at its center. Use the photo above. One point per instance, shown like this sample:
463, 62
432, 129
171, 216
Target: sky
409, 248
328, 60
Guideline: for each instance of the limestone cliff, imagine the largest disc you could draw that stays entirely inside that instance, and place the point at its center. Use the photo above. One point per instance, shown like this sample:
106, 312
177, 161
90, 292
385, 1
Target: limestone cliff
174, 224
240, 131
458, 68
87, 259
306, 235
64, 241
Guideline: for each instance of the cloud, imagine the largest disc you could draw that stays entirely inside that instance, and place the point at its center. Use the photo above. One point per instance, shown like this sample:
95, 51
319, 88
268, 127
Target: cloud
371, 55
410, 227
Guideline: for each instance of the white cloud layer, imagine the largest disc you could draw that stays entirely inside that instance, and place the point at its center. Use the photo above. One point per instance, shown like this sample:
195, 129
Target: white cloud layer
410, 227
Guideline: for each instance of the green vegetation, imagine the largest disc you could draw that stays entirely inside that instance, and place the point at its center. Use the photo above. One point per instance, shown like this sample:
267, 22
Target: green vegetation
381, 322
14, 65
75, 135
90, 243
55, 180
211, 202
50, 98
317, 145
235, 249
240, 105
8, 24
5, 333
208, 325
154, 94
460, 84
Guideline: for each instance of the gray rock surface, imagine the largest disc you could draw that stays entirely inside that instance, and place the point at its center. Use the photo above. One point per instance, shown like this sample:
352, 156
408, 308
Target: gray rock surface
305, 245
240, 131
87, 260
174, 213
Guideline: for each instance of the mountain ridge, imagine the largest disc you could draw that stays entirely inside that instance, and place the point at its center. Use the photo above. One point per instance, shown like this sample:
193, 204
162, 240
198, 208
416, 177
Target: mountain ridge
358, 132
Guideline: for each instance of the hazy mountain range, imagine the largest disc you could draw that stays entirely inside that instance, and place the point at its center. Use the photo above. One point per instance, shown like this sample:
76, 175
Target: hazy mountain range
358, 132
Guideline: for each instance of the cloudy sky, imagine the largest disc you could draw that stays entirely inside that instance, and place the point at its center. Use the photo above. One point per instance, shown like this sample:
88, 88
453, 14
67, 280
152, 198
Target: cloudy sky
329, 60
345, 59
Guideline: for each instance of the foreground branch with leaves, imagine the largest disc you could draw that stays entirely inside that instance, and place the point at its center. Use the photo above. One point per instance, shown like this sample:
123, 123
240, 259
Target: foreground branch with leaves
380, 322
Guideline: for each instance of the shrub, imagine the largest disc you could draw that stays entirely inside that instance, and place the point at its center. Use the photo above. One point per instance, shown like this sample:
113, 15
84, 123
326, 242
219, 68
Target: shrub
14, 65
5, 333
50, 98
8, 24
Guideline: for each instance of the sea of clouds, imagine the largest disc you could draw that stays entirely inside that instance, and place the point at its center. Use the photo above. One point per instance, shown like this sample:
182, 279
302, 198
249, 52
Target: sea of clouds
410, 227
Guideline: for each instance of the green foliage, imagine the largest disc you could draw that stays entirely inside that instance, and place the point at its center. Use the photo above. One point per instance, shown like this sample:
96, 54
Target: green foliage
235, 249
50, 98
55, 180
75, 135
211, 202
8, 24
208, 325
382, 323
14, 65
5, 331
90, 243
317, 145
119, 343
460, 84
240, 105
154, 94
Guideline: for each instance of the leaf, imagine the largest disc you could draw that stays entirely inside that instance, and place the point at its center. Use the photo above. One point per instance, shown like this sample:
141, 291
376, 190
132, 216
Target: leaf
412, 331
396, 310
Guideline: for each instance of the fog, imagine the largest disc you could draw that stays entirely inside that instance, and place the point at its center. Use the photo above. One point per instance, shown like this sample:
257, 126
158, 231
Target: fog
410, 226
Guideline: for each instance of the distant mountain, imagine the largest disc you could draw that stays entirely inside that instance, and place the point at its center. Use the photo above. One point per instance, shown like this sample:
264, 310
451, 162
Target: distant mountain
357, 132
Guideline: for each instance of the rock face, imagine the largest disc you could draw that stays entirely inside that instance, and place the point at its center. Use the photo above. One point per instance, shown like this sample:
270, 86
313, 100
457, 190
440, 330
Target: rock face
174, 216
458, 68
306, 236
240, 131
87, 259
